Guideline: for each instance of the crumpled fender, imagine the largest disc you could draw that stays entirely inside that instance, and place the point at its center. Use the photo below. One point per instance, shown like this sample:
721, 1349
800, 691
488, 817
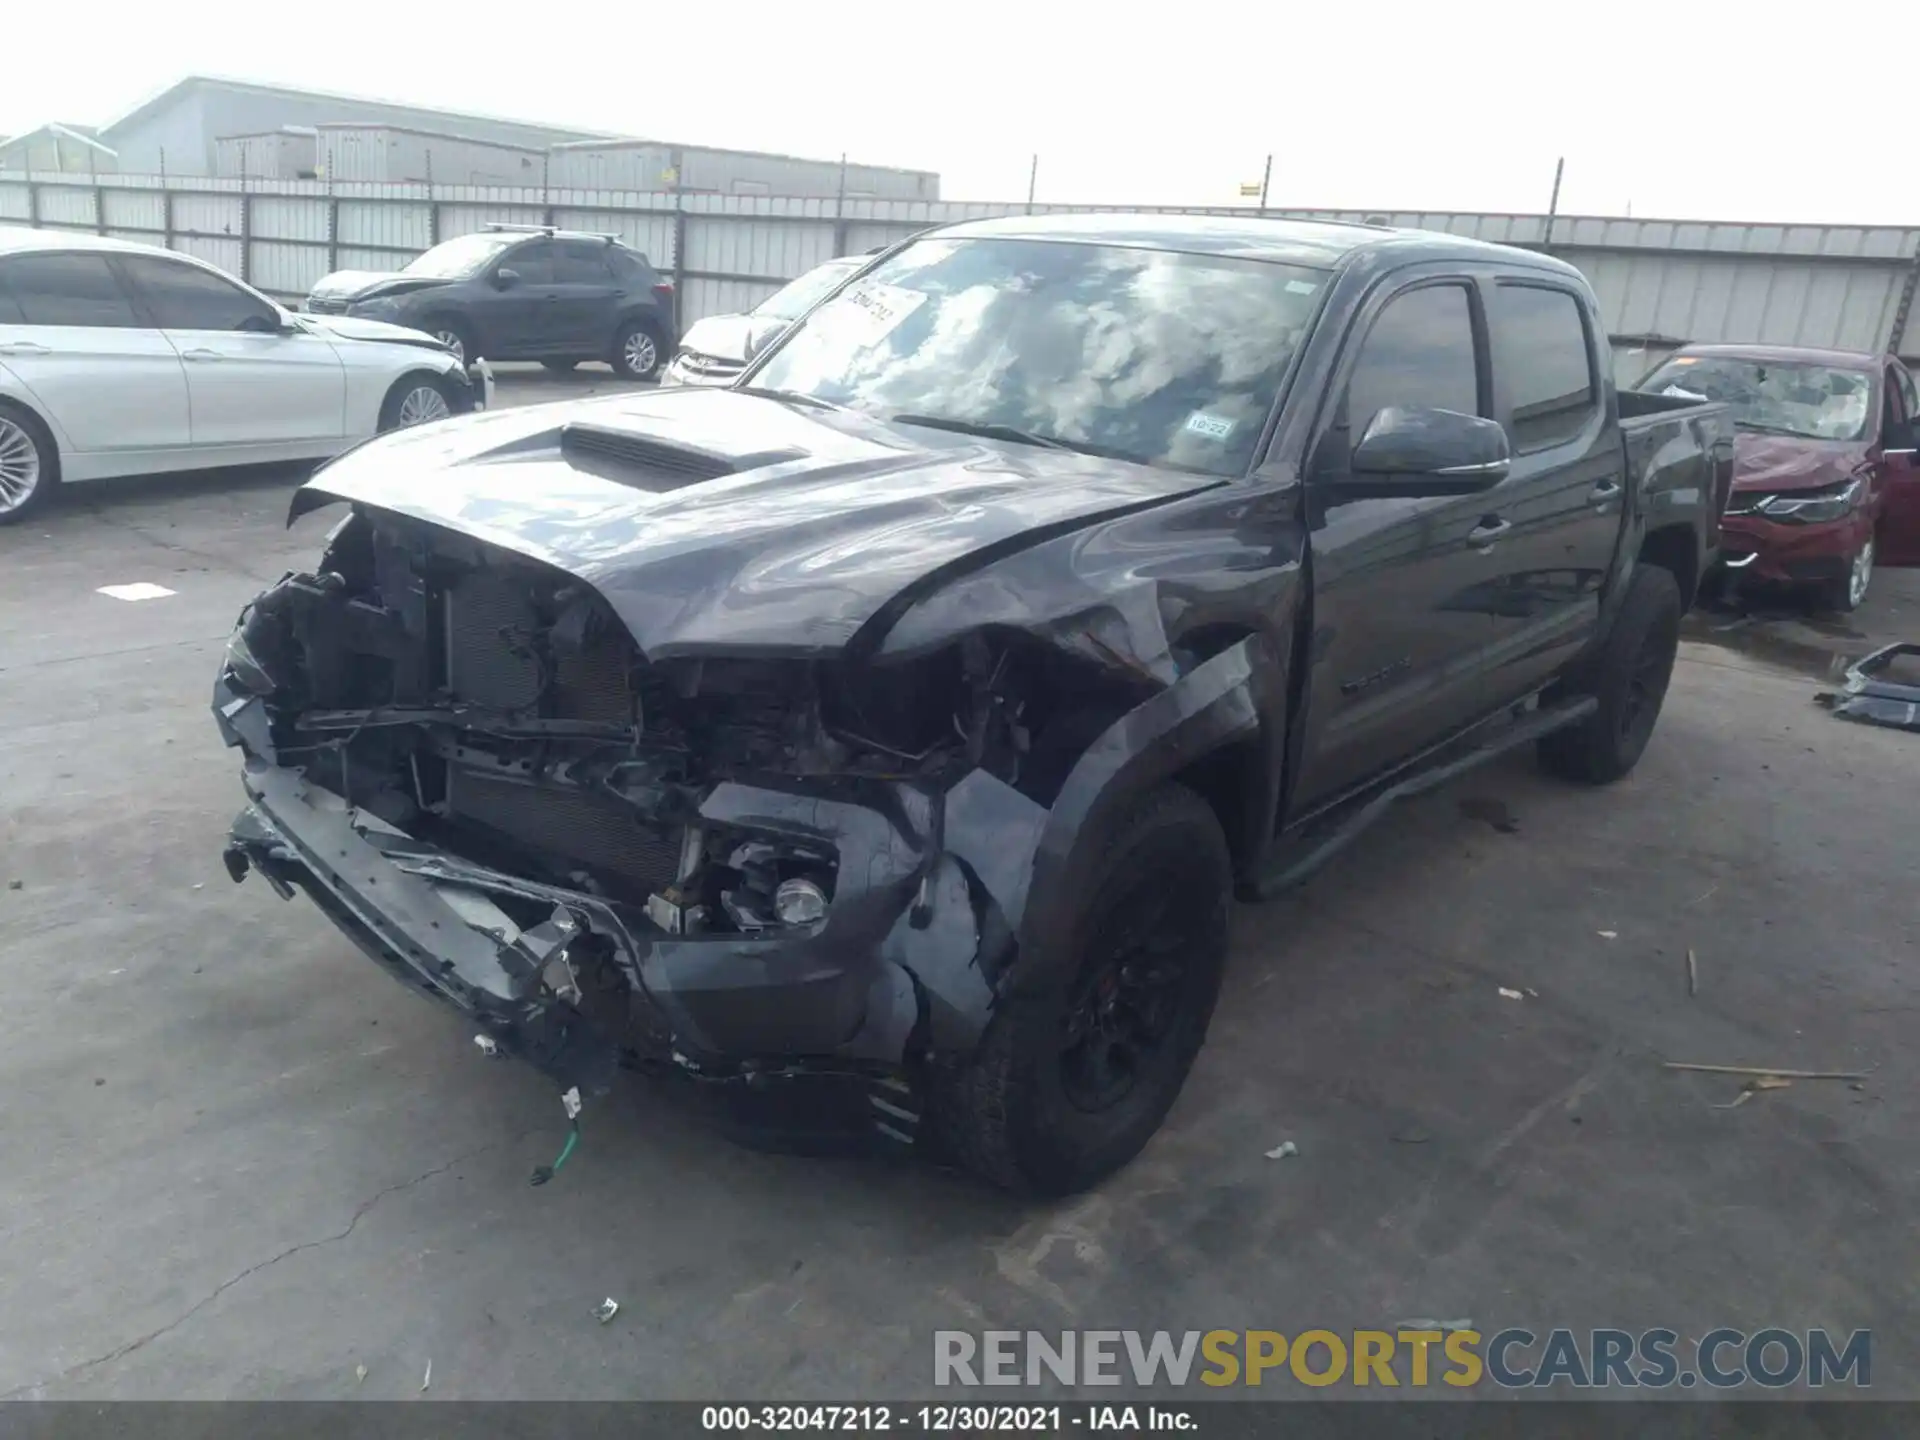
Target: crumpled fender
1223, 701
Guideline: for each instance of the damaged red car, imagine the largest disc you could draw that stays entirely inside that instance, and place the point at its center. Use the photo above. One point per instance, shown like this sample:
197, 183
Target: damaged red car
1825, 483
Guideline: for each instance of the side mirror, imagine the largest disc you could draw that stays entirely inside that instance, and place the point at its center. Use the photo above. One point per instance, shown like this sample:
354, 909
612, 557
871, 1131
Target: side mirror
1413, 451
505, 278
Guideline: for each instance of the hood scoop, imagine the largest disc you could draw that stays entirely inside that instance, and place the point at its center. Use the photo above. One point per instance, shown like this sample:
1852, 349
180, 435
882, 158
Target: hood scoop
656, 465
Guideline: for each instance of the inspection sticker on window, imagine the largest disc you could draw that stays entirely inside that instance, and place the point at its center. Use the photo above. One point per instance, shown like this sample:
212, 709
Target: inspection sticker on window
1214, 427
1301, 287
868, 313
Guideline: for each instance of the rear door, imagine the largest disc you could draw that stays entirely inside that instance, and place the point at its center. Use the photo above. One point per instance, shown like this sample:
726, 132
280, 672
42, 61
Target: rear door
247, 382
1564, 495
513, 321
585, 294
1899, 537
106, 378
1400, 586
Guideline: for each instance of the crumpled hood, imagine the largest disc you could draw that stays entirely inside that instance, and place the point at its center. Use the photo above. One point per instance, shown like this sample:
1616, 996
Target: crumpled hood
825, 518
348, 327
365, 284
1774, 463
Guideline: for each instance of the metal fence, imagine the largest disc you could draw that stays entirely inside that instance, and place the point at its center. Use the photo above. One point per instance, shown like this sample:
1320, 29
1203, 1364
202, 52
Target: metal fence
1660, 283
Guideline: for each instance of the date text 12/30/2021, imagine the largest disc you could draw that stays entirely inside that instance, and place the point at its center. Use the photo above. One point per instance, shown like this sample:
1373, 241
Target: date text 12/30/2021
946, 1419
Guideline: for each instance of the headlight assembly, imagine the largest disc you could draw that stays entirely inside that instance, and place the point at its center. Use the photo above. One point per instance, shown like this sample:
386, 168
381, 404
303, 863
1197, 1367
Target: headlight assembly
1810, 507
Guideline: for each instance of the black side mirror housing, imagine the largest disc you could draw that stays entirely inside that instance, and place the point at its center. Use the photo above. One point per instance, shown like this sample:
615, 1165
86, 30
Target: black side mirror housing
505, 278
1414, 451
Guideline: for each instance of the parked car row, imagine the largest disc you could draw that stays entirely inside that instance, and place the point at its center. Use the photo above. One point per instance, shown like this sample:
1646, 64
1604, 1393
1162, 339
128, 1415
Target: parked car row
123, 359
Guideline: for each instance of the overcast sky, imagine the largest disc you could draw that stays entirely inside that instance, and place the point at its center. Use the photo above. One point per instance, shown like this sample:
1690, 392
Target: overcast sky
1680, 110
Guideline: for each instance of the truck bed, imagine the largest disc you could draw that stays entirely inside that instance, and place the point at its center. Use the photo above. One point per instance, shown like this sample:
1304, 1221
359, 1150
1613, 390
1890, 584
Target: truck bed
1679, 460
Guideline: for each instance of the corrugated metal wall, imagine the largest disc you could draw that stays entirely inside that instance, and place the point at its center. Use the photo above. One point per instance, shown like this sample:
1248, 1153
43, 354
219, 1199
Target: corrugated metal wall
387, 153
647, 166
1660, 283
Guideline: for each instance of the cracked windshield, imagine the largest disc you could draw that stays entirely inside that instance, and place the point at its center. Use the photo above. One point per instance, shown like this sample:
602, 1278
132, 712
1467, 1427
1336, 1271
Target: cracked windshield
1814, 402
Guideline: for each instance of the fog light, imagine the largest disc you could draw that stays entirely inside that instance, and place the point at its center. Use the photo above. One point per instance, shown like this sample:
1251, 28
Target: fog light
799, 902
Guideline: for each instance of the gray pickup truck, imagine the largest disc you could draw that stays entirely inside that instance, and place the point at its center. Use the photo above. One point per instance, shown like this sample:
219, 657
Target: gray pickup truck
877, 744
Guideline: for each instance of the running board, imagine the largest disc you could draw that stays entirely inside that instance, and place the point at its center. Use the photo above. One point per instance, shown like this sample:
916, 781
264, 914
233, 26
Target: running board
1290, 869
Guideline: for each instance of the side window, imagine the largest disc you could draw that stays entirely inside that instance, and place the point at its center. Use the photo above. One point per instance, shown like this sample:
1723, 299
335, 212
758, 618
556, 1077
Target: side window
9, 307
532, 262
1420, 352
67, 290
185, 297
1540, 339
581, 262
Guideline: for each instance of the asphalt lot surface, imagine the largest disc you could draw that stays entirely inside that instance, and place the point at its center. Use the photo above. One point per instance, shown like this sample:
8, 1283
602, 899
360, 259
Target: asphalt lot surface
238, 1161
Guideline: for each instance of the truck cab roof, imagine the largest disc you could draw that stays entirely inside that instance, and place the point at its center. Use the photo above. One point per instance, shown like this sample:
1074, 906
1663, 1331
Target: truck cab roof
1324, 244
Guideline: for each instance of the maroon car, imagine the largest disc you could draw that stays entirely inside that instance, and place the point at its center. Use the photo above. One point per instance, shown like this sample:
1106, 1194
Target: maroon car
1825, 481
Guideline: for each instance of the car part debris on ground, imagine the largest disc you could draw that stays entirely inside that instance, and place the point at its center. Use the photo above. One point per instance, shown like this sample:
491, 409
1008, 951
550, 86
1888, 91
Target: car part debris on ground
1754, 1087
1283, 1150
1511, 994
1881, 689
1763, 1070
426, 1381
606, 1310
1693, 973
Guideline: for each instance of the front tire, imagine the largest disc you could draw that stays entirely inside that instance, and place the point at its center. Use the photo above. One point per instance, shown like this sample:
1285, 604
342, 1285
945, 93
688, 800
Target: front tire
1848, 592
415, 400
638, 351
29, 463
1072, 1080
1629, 675
455, 336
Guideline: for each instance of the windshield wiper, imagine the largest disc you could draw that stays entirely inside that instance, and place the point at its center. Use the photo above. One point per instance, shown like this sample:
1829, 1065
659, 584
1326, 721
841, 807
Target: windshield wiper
987, 430
798, 397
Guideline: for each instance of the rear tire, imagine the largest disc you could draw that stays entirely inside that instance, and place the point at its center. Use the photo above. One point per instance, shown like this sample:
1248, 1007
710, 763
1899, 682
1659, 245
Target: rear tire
639, 351
1071, 1081
1629, 675
29, 463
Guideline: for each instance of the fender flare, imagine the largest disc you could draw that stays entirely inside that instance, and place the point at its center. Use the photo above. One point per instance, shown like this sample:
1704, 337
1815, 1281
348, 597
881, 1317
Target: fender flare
1238, 697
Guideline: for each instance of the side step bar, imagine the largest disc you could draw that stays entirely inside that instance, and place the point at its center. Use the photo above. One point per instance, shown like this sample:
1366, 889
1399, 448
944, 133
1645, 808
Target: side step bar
1292, 865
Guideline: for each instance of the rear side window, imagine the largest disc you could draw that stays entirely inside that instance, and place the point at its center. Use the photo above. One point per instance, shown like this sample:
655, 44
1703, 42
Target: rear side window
1419, 354
185, 297
1540, 338
9, 307
67, 290
580, 262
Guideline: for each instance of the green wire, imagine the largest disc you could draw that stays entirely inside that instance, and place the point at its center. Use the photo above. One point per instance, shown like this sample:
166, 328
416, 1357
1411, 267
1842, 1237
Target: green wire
543, 1173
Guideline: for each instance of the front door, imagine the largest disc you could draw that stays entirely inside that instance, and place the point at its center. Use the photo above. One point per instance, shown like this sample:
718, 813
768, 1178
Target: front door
1899, 537
512, 312
1565, 492
105, 377
248, 384
1400, 628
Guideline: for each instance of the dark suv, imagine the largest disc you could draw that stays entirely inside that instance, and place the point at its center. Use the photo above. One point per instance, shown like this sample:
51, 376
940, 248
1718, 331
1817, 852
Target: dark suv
522, 293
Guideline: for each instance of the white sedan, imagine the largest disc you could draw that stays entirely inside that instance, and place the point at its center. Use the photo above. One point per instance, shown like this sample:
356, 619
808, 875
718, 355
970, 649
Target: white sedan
124, 359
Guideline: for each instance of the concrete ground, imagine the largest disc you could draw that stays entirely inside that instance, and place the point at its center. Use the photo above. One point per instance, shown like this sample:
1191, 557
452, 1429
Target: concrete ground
239, 1161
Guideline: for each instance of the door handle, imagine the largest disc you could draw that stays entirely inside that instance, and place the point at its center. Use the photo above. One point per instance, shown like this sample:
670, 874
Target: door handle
1604, 491
24, 347
201, 355
1490, 529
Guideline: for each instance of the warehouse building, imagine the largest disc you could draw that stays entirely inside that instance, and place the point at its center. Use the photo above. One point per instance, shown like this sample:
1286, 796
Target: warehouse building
233, 128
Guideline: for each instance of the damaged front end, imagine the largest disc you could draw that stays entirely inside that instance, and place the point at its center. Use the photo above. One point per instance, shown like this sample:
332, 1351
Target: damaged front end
750, 872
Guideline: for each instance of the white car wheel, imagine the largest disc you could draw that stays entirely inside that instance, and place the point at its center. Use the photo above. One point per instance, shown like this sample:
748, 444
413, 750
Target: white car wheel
422, 404
25, 474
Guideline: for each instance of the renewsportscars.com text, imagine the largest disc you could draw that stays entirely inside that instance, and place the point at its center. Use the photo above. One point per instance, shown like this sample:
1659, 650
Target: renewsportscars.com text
1513, 1358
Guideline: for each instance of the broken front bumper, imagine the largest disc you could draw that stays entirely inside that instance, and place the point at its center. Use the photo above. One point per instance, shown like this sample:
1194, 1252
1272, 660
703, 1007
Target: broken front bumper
805, 1037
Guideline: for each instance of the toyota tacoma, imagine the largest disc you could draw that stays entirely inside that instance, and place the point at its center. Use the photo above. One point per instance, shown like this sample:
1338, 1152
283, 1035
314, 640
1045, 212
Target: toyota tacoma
878, 744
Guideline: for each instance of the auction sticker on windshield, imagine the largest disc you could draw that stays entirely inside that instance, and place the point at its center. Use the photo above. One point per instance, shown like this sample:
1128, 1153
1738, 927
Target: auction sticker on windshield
868, 313
1214, 427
